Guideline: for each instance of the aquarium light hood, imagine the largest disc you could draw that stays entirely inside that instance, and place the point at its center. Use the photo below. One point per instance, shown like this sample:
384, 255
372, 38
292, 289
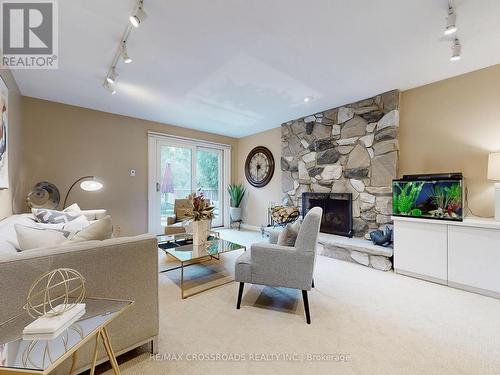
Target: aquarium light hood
433, 177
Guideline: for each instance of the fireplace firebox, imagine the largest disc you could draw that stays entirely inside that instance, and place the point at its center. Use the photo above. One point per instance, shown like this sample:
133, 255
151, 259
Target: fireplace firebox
337, 211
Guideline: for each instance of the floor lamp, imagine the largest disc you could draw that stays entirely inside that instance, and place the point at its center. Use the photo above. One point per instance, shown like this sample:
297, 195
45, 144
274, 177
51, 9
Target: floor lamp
87, 183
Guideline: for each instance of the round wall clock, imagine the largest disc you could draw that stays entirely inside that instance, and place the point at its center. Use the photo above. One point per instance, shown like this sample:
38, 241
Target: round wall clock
259, 166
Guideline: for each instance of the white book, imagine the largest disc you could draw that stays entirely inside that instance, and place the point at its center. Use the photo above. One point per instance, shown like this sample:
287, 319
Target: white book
52, 324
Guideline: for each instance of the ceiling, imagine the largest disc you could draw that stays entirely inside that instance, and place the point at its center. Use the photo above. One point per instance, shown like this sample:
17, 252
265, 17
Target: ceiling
237, 67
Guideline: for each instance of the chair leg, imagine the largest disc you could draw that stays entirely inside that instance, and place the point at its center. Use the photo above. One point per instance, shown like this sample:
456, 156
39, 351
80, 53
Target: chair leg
306, 306
312, 283
240, 294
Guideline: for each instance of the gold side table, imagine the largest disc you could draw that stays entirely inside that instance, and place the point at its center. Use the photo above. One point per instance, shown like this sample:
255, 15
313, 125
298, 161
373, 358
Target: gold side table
19, 355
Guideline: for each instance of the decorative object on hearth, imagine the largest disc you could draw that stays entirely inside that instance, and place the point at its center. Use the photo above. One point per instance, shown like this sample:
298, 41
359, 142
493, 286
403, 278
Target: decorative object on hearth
382, 238
282, 215
200, 212
494, 174
43, 195
4, 154
236, 194
87, 183
259, 166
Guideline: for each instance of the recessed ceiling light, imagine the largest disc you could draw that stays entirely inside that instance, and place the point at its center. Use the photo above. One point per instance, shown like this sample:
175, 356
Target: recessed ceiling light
307, 99
139, 16
456, 50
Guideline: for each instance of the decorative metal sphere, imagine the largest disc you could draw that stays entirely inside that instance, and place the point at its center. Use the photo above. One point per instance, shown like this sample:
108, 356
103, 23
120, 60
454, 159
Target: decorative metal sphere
62, 286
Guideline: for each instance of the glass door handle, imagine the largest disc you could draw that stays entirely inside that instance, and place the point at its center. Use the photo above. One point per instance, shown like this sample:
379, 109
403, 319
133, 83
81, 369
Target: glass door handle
157, 187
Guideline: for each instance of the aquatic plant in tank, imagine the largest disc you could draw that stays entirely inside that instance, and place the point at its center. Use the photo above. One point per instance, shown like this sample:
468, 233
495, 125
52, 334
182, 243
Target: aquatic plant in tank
429, 196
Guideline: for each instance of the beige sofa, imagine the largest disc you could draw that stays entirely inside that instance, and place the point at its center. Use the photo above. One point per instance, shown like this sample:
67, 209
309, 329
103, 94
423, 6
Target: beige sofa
121, 268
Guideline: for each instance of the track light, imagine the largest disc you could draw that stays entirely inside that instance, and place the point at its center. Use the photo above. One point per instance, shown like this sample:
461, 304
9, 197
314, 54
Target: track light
456, 50
110, 87
451, 22
111, 78
126, 58
139, 16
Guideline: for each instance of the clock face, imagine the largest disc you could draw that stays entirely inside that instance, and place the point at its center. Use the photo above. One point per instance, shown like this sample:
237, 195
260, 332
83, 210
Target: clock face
259, 166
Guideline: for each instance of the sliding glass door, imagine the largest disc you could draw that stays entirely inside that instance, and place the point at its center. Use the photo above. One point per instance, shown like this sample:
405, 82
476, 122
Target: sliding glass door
179, 169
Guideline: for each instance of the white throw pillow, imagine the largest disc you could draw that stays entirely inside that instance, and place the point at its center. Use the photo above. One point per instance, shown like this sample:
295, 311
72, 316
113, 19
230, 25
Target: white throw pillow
73, 208
32, 238
75, 226
100, 230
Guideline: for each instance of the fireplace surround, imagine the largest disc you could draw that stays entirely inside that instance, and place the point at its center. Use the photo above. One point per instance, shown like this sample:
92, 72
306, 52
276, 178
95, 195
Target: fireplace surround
337, 211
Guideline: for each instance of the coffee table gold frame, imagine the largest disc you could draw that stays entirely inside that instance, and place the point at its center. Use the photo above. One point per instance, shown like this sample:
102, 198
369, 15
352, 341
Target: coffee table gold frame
191, 262
100, 332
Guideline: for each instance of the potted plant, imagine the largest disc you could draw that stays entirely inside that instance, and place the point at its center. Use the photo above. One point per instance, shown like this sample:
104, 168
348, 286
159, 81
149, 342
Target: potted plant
236, 193
201, 212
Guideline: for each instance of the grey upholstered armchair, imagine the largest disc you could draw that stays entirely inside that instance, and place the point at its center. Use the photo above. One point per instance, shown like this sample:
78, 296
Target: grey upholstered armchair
283, 266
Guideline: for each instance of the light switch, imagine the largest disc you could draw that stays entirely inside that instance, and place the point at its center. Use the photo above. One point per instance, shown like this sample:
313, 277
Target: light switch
132, 173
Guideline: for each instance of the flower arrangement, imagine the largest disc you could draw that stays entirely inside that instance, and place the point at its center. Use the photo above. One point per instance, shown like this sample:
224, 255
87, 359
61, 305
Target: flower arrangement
200, 208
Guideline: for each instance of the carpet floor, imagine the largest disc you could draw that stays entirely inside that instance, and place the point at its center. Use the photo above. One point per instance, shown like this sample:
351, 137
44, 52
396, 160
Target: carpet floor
363, 322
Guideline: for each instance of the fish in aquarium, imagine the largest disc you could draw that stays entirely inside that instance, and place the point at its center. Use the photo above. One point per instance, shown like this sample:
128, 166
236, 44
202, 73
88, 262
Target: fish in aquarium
434, 199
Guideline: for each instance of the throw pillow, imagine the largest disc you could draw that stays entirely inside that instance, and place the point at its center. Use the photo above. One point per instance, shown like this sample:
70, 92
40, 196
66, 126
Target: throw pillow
100, 230
73, 208
289, 234
46, 216
32, 238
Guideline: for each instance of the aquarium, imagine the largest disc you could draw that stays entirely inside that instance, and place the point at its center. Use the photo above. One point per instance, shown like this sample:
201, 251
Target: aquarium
429, 196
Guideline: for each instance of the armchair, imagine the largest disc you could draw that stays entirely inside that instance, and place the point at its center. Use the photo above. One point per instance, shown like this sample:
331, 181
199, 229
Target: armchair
283, 266
175, 221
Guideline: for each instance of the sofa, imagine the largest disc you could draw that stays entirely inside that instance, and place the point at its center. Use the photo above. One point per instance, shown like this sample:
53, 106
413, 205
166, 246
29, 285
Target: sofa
120, 268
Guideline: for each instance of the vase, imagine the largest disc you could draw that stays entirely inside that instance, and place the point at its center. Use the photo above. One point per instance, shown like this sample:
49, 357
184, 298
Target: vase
200, 232
235, 213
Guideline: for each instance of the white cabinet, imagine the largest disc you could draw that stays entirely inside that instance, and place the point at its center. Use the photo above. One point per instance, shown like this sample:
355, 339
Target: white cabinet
463, 255
421, 250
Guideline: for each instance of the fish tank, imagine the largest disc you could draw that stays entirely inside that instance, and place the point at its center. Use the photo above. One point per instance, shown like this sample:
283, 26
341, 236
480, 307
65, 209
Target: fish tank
435, 196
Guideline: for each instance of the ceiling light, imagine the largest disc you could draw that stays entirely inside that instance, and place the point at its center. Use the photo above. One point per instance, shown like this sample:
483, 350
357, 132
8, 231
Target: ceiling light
110, 87
451, 22
456, 50
307, 99
139, 16
111, 78
126, 58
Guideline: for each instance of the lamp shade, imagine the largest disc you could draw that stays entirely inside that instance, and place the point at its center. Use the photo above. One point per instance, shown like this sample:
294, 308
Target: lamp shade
494, 166
91, 185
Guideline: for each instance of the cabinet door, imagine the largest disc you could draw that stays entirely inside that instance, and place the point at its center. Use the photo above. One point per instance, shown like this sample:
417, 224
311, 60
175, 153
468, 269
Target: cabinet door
474, 258
420, 250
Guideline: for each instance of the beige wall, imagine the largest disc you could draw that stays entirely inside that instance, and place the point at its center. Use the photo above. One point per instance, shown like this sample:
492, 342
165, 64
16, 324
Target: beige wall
452, 125
8, 196
257, 200
62, 143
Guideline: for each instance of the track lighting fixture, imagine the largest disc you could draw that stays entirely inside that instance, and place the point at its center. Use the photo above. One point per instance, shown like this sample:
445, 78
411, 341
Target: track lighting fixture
139, 16
111, 78
110, 87
456, 50
451, 21
126, 58
121, 52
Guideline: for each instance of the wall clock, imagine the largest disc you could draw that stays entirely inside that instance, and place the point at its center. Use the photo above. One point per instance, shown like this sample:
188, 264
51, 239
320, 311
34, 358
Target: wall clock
259, 166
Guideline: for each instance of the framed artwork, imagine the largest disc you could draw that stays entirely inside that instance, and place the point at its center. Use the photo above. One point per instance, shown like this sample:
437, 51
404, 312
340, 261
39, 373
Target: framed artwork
4, 127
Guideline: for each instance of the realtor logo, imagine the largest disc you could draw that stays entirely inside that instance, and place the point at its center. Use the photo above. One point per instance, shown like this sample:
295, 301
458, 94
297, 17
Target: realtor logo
29, 34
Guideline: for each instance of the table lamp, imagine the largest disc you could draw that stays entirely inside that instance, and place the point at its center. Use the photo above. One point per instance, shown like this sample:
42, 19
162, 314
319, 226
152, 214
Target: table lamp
494, 174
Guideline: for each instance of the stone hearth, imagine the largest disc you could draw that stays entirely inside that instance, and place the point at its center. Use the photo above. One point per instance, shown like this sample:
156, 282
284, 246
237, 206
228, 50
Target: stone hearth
350, 149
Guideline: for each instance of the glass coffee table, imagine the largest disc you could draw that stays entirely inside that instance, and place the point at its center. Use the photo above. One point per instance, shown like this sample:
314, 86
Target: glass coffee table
31, 355
180, 247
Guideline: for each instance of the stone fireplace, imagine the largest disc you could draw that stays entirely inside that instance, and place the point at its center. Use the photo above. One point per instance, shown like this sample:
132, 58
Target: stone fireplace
350, 149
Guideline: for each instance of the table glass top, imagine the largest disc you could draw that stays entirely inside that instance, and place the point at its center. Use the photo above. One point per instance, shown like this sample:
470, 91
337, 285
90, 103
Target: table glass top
182, 248
40, 354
